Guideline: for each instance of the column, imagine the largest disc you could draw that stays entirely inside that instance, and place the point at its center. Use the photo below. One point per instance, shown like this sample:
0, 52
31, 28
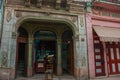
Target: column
59, 66
29, 67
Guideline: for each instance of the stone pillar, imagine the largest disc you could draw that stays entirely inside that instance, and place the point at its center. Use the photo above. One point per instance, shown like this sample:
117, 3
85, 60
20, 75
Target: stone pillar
59, 66
29, 67
90, 41
58, 4
76, 59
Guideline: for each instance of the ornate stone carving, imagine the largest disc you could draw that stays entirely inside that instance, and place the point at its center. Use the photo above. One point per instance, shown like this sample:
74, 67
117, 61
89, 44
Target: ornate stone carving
4, 60
8, 16
58, 2
18, 14
27, 3
76, 7
39, 3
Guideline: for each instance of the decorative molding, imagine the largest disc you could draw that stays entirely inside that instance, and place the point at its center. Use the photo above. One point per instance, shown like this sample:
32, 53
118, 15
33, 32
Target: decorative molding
4, 59
27, 3
8, 15
58, 2
18, 14
39, 3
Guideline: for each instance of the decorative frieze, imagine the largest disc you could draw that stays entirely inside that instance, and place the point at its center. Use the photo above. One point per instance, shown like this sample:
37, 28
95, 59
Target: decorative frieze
8, 16
76, 7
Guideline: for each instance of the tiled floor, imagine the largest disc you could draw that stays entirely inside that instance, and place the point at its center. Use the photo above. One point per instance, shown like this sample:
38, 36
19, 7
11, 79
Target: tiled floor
42, 77
66, 77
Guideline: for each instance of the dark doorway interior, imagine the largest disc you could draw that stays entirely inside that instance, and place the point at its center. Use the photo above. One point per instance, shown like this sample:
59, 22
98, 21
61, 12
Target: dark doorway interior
21, 59
44, 48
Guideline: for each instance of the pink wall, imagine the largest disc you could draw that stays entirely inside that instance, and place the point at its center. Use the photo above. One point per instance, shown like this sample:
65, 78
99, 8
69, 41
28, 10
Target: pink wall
101, 21
90, 45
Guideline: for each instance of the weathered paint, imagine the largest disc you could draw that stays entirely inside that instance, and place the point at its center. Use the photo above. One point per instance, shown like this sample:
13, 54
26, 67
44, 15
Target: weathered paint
1, 19
1, 15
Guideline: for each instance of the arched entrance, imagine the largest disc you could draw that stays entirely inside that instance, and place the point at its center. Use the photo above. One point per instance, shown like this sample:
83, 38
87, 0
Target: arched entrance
49, 36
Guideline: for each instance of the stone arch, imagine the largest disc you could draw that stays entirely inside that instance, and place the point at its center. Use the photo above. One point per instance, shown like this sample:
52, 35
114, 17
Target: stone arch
67, 22
45, 18
48, 29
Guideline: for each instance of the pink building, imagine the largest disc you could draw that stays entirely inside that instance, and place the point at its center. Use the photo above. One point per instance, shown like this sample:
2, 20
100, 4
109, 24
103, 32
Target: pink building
103, 35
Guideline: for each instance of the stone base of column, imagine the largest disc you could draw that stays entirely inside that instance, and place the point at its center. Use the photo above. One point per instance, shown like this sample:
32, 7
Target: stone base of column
7, 74
81, 73
59, 70
29, 72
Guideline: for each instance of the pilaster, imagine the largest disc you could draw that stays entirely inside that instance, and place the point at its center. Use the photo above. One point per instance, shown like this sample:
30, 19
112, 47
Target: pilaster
29, 67
59, 66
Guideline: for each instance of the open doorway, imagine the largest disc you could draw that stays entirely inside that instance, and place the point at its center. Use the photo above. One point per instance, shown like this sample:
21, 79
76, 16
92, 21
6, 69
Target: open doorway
44, 45
43, 48
67, 53
21, 59
21, 64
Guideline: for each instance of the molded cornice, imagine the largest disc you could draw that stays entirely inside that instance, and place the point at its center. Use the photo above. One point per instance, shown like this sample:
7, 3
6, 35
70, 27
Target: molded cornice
105, 18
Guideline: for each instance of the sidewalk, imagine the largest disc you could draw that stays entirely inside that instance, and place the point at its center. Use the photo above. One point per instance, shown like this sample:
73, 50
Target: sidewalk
108, 78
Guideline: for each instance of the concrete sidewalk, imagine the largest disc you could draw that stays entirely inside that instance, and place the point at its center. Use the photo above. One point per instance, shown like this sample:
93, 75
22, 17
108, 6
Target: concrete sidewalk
108, 78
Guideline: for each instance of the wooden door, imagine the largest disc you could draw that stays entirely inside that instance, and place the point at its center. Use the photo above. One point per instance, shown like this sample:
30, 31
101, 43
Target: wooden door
99, 56
113, 54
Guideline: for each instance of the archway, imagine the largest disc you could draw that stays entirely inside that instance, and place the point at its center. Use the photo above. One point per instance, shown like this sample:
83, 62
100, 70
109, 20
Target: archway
34, 26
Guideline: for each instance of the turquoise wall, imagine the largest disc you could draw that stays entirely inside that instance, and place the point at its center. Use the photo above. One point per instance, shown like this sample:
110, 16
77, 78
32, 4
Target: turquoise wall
1, 15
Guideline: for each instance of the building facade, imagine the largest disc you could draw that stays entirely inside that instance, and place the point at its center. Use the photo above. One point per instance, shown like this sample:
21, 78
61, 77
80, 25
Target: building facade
103, 29
33, 29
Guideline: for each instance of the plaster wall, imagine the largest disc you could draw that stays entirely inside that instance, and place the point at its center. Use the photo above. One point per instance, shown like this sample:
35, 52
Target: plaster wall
90, 45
